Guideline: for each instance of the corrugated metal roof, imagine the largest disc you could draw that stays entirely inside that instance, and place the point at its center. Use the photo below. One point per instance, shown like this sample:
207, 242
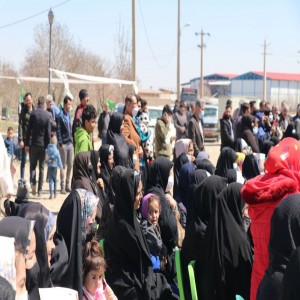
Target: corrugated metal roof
280, 76
227, 75
257, 75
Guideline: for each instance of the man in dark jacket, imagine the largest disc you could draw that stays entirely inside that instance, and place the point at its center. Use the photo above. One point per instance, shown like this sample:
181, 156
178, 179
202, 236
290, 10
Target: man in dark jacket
39, 131
227, 136
195, 129
180, 122
23, 125
65, 143
103, 123
52, 113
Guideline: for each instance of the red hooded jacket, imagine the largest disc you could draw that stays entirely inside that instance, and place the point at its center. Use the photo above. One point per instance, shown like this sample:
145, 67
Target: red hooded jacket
263, 193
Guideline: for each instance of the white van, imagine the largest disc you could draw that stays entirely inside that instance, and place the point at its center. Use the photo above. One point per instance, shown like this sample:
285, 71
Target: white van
211, 127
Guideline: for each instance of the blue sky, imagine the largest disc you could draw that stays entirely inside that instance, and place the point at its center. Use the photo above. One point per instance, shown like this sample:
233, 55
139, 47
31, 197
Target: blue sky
237, 27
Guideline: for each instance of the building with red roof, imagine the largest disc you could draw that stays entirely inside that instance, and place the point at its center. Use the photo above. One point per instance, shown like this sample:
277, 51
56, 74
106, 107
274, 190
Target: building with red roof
280, 86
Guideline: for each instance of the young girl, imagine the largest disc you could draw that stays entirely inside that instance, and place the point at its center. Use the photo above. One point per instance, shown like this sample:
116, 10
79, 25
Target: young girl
150, 212
94, 265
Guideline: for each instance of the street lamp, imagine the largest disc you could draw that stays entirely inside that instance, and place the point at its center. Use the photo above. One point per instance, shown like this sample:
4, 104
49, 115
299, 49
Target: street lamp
178, 50
201, 46
50, 19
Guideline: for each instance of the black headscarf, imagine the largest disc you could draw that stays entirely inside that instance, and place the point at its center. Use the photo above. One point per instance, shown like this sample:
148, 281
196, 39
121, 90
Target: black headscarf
234, 176
114, 185
284, 238
106, 171
82, 173
179, 162
204, 200
231, 175
131, 149
159, 175
250, 167
199, 176
40, 214
117, 139
100, 193
290, 288
225, 161
186, 176
247, 132
223, 268
237, 145
266, 146
205, 164
66, 262
290, 131
114, 182
18, 228
125, 245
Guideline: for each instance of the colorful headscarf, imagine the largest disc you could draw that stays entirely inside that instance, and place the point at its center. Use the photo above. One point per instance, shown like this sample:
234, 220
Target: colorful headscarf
50, 224
145, 205
88, 206
284, 156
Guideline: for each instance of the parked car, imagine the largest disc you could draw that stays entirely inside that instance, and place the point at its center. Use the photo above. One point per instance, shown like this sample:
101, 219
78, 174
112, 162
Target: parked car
154, 112
211, 127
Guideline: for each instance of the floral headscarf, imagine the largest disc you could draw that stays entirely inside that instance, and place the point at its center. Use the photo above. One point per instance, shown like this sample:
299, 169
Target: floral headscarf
88, 207
285, 155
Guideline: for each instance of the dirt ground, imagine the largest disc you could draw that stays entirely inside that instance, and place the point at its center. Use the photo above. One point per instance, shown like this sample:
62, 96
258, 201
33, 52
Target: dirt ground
54, 204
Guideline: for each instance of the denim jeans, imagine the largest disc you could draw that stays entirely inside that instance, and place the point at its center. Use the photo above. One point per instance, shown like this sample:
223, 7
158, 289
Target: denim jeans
52, 171
66, 155
23, 162
37, 154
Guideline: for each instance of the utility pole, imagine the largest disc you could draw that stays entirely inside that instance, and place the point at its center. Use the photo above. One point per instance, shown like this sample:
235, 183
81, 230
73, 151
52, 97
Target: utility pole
201, 46
265, 71
133, 43
178, 52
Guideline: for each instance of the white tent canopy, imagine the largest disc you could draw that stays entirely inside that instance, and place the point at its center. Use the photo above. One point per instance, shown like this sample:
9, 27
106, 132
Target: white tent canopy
80, 79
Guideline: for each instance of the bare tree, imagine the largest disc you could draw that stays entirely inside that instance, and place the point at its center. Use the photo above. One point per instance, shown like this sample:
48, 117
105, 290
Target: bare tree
123, 61
9, 89
66, 55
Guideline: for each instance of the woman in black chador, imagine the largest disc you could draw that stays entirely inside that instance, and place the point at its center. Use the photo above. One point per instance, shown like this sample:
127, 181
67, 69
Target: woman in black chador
130, 272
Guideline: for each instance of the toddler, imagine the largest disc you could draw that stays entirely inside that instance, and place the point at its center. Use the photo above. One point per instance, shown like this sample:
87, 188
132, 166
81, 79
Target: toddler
11, 148
150, 212
94, 265
53, 161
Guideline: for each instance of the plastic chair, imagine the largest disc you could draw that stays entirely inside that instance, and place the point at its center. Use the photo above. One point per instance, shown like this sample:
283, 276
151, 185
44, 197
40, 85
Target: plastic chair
179, 274
191, 267
101, 245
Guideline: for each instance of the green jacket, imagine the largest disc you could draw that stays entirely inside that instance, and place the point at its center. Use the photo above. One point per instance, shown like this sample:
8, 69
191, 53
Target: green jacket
82, 141
161, 148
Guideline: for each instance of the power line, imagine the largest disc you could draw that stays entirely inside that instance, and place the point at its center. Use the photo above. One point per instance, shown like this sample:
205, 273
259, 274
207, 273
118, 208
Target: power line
149, 44
33, 16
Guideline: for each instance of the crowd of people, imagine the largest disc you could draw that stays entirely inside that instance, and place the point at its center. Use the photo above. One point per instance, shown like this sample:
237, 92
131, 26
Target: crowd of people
148, 193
